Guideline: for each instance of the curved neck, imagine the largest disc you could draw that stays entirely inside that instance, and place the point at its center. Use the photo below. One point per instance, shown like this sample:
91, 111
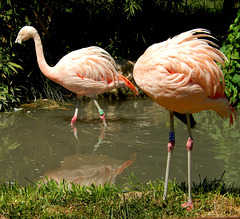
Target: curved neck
44, 67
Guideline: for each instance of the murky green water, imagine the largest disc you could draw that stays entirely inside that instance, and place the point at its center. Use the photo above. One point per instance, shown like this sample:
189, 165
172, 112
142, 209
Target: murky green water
41, 142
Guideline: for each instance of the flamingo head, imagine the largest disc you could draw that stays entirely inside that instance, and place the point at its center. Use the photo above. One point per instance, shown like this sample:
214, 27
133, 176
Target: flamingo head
25, 33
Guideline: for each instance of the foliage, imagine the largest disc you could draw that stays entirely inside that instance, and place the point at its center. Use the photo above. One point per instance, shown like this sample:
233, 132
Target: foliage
231, 48
137, 200
8, 91
66, 25
8, 68
130, 7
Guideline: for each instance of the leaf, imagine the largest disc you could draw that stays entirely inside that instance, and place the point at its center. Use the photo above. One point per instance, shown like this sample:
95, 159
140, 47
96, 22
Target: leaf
15, 65
236, 79
231, 48
12, 68
235, 56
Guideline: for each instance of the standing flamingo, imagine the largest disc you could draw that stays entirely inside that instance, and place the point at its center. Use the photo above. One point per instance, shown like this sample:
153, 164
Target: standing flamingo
181, 75
88, 71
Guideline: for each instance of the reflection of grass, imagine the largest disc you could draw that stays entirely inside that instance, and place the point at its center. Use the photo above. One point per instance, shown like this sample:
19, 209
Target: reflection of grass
137, 200
6, 120
6, 144
227, 141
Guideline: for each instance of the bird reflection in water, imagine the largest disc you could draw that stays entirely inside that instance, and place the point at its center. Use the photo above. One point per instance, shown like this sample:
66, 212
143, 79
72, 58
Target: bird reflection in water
100, 139
88, 169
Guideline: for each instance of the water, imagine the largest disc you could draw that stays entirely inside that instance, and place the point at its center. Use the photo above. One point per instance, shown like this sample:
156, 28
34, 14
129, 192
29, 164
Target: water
35, 143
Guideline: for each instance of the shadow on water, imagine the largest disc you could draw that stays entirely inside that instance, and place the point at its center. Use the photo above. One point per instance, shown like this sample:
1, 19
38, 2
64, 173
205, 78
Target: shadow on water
37, 143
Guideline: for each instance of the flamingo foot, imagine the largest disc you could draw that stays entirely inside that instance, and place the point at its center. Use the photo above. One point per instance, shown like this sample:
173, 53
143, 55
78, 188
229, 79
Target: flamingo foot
74, 119
188, 206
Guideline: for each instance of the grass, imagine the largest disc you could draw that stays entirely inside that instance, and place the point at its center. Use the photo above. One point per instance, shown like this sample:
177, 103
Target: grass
135, 200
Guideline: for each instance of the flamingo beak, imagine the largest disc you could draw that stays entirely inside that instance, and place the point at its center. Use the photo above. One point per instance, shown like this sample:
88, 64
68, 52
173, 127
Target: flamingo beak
18, 40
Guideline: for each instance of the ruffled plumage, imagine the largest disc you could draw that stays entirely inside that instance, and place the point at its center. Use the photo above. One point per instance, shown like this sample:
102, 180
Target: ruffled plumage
183, 74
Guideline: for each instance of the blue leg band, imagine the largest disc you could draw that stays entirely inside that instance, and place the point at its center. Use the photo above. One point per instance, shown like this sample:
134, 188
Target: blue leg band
171, 136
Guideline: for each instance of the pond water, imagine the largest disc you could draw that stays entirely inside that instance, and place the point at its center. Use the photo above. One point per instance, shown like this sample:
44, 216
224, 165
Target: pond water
39, 142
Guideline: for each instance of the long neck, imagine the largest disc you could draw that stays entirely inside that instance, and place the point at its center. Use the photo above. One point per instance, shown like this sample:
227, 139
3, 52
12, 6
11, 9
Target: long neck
44, 67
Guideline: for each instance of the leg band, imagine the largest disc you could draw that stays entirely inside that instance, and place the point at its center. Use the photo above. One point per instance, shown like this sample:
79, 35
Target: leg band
101, 112
171, 136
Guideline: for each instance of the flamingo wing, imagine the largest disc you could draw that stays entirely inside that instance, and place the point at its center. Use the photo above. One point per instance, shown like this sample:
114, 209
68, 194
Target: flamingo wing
87, 71
92, 63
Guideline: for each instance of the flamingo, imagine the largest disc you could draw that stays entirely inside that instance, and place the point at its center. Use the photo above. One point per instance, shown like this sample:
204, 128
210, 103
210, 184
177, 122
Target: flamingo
181, 74
87, 71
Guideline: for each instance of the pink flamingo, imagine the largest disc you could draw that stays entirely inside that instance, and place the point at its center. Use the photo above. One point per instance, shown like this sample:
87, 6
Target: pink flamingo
87, 71
181, 75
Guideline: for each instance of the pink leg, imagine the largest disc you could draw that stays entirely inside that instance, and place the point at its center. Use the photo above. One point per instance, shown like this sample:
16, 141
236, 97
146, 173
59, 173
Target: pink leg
74, 118
189, 145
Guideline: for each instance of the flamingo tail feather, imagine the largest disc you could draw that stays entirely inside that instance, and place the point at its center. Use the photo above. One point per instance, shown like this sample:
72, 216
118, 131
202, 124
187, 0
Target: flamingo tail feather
233, 114
128, 83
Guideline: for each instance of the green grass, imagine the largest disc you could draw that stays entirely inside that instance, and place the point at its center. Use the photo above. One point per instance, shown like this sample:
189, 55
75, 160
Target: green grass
134, 200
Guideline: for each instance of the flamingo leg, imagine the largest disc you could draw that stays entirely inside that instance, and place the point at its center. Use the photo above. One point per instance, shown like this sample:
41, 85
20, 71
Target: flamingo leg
74, 118
102, 114
189, 145
170, 149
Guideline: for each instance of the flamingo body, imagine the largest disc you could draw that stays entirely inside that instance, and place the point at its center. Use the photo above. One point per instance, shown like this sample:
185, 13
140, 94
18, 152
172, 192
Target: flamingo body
87, 71
181, 74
